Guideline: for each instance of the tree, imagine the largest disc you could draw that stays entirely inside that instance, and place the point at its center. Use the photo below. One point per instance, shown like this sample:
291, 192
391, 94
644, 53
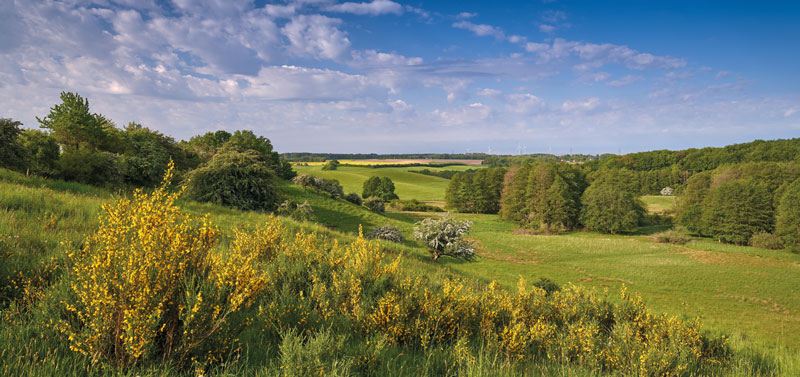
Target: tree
245, 140
375, 204
610, 204
146, 156
445, 236
12, 152
73, 126
331, 165
787, 224
206, 145
41, 151
381, 187
737, 209
236, 179
692, 204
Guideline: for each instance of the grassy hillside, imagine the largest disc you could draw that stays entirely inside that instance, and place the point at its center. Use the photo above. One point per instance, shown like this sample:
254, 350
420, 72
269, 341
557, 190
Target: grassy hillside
407, 185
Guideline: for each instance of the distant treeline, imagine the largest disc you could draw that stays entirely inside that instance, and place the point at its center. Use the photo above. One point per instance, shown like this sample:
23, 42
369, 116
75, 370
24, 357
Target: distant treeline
446, 174
506, 161
321, 157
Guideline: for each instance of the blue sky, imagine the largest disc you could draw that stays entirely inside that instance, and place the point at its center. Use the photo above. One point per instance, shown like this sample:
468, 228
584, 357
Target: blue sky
420, 76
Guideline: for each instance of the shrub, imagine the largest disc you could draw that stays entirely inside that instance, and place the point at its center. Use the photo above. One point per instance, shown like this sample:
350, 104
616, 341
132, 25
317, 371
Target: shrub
386, 232
322, 185
90, 167
331, 165
374, 204
42, 152
672, 236
298, 212
444, 236
413, 205
766, 240
235, 179
381, 187
547, 285
353, 198
318, 354
667, 191
146, 284
12, 152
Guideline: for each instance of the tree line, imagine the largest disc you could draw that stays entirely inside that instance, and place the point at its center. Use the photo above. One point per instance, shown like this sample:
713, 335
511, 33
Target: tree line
235, 169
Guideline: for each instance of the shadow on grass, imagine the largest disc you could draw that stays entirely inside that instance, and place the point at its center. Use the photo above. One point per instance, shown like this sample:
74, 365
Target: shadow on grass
647, 230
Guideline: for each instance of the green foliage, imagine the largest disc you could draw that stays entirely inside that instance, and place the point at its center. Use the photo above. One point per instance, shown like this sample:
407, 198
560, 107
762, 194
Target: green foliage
12, 151
98, 168
737, 209
445, 236
476, 191
692, 204
331, 165
385, 232
41, 151
206, 145
375, 204
73, 126
413, 205
787, 225
547, 285
543, 196
764, 240
297, 212
610, 204
673, 236
234, 179
318, 354
330, 187
353, 198
147, 154
247, 140
381, 187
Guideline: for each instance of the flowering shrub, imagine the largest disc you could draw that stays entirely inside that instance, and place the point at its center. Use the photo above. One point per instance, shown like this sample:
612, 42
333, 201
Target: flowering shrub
386, 232
443, 236
147, 283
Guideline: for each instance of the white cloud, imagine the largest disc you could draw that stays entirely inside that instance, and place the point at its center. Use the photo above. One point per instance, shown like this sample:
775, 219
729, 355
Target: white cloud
480, 29
625, 81
580, 105
299, 83
790, 112
373, 8
376, 59
472, 113
465, 15
549, 29
316, 36
524, 103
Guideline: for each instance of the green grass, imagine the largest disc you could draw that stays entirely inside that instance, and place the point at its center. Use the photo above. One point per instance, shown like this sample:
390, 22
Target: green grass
747, 292
407, 185
658, 203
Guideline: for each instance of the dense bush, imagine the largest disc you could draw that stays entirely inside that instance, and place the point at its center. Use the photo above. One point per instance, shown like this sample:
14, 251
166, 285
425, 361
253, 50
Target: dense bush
787, 224
385, 232
381, 187
321, 185
374, 204
331, 165
445, 236
41, 151
673, 236
353, 198
413, 205
544, 197
298, 212
766, 240
476, 191
90, 166
234, 179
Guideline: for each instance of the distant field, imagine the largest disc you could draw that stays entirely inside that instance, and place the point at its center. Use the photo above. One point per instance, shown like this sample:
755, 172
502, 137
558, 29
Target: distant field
408, 185
401, 162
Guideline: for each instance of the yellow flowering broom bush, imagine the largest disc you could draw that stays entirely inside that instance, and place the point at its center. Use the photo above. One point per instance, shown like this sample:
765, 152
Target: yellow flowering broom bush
148, 285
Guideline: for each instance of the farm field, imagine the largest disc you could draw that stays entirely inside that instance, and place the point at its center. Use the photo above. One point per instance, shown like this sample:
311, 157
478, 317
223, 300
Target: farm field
402, 162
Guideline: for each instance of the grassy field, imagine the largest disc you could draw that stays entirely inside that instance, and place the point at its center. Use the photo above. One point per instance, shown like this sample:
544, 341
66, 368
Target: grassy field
407, 185
658, 203
746, 292
472, 163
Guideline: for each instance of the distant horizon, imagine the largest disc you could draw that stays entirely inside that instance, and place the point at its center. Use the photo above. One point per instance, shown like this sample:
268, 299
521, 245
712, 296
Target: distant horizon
380, 75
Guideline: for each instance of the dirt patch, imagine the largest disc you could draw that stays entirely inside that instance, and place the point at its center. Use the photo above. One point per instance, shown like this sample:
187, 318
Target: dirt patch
616, 280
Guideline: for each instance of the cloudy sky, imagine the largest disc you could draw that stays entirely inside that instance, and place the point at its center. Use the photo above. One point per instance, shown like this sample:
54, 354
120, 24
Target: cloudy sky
417, 76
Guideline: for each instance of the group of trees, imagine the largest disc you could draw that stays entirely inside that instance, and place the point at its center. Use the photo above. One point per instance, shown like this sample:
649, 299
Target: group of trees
735, 202
75, 144
476, 191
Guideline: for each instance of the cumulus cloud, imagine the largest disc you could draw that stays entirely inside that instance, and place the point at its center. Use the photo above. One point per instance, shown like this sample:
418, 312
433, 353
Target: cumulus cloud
481, 29
588, 104
373, 8
316, 36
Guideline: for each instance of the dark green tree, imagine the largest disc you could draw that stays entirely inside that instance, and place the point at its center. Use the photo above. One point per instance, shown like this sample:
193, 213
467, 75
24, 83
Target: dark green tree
512, 203
12, 152
41, 151
692, 204
610, 203
331, 165
787, 224
737, 209
381, 187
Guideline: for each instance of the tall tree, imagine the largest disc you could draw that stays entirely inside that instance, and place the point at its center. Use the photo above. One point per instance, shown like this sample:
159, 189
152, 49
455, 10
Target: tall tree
12, 152
73, 126
788, 218
739, 208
